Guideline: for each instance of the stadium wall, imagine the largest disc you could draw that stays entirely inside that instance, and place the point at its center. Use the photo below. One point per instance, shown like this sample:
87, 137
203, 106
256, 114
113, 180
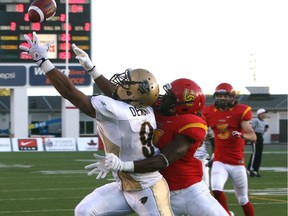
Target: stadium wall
50, 144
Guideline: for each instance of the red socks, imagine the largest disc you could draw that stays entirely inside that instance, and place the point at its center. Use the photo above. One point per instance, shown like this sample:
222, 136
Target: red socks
220, 196
248, 209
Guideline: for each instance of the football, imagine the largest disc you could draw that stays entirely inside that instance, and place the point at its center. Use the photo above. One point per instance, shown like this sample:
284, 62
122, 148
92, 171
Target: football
42, 10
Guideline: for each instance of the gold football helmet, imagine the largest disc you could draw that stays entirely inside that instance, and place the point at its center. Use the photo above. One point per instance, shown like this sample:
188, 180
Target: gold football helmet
137, 87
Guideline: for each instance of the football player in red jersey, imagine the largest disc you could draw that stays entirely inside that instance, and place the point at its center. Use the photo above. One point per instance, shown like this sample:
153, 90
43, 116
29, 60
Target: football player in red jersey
178, 135
230, 124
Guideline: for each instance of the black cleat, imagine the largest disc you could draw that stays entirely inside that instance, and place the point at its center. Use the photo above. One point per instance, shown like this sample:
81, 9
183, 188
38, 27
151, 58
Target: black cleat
254, 174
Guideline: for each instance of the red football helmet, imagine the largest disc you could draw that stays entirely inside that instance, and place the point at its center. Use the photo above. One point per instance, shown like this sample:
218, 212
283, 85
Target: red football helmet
225, 89
182, 96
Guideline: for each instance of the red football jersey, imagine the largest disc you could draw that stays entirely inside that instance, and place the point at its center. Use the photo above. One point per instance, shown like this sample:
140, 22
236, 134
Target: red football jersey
228, 149
187, 170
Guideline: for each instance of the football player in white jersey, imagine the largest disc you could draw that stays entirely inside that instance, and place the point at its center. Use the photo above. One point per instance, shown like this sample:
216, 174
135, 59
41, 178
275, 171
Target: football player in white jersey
125, 124
179, 133
203, 155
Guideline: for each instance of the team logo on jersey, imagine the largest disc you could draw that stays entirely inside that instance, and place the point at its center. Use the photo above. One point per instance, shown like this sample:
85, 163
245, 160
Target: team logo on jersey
189, 97
143, 200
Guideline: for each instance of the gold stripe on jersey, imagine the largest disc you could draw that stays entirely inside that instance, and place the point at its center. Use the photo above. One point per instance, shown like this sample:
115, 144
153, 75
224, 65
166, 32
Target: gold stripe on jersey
109, 146
245, 112
198, 125
162, 200
128, 182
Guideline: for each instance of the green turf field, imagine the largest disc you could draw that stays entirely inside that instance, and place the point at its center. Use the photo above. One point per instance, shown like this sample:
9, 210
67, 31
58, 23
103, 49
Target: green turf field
52, 183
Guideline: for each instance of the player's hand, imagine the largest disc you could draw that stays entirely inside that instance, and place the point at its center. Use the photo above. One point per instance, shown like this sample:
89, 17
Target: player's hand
36, 51
83, 58
113, 163
98, 168
237, 134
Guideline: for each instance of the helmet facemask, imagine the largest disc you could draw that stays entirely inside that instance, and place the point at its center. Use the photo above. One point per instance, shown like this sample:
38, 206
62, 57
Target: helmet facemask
167, 101
224, 103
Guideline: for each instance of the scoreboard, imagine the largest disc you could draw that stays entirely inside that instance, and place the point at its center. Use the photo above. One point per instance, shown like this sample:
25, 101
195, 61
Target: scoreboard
14, 23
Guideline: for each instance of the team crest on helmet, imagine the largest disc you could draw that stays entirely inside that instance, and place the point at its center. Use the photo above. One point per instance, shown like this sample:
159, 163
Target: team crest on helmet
189, 97
182, 96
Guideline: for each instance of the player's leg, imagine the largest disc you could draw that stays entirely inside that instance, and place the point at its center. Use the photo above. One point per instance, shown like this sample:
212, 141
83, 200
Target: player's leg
152, 201
105, 200
219, 176
196, 200
240, 183
178, 204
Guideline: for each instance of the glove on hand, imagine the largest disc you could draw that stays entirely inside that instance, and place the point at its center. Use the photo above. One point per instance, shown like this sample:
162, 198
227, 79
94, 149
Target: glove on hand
86, 62
83, 58
36, 51
114, 163
98, 167
237, 134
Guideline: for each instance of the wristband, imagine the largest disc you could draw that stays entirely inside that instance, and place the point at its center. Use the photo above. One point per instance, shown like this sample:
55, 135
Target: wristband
47, 66
128, 166
165, 158
94, 73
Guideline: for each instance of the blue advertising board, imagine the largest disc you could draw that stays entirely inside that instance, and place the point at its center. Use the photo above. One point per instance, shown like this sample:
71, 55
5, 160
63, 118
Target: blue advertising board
77, 75
13, 76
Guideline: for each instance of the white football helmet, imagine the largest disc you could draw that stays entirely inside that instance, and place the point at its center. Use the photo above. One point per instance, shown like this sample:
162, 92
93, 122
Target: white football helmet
137, 87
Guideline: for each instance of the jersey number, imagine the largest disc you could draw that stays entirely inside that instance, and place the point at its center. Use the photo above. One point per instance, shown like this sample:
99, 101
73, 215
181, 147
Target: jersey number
224, 133
146, 136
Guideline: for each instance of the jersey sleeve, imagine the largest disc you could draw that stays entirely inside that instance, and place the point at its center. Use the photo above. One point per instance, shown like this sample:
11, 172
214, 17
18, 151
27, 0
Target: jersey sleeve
247, 113
104, 107
193, 127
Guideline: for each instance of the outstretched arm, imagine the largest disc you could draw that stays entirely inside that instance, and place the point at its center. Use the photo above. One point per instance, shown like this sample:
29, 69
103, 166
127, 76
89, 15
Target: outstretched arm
102, 82
68, 91
60, 81
172, 152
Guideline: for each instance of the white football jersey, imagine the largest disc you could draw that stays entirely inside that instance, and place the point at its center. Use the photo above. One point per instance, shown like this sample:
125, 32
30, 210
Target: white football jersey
127, 132
202, 152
